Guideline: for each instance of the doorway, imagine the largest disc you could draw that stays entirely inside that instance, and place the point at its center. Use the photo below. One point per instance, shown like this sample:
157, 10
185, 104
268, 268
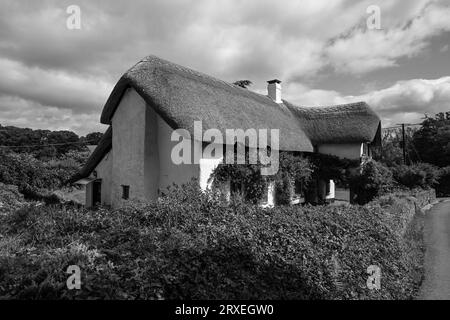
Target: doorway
97, 193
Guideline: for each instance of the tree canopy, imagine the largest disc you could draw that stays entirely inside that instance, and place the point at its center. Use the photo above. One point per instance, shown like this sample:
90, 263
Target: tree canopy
243, 83
44, 143
428, 143
432, 140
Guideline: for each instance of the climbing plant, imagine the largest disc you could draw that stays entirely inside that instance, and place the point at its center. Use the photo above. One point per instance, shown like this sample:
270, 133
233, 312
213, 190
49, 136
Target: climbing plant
253, 185
304, 168
328, 167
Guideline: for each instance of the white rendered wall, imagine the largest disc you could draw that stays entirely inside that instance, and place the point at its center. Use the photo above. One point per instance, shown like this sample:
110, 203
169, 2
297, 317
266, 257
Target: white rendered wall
141, 148
128, 147
207, 166
169, 172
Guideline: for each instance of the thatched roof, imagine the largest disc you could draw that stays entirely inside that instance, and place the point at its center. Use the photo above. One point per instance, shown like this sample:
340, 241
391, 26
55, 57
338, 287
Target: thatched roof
353, 122
181, 96
103, 147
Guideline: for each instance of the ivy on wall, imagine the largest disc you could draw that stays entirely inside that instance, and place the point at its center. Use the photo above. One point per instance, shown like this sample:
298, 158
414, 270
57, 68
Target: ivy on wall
247, 180
328, 167
304, 168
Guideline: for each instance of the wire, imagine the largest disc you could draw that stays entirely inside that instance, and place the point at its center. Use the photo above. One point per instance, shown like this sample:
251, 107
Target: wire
415, 150
48, 145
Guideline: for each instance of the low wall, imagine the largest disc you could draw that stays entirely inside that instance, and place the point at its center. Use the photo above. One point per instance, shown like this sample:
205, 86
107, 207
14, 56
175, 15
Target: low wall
424, 197
401, 208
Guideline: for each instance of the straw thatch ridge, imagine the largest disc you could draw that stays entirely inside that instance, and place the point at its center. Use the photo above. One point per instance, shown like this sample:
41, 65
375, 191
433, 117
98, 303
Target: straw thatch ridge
181, 96
103, 147
347, 123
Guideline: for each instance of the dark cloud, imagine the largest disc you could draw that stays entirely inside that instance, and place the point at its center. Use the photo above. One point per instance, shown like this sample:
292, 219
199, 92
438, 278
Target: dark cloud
49, 68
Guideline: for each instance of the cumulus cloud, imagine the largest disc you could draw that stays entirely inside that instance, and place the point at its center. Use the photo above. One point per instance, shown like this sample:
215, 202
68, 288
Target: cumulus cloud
404, 102
366, 50
70, 73
411, 99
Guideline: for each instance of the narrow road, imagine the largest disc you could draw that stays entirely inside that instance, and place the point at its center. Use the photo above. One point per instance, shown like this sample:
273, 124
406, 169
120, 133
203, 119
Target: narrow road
436, 285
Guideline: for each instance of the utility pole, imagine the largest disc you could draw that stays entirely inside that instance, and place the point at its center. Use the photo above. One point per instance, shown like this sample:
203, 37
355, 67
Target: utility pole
404, 143
404, 137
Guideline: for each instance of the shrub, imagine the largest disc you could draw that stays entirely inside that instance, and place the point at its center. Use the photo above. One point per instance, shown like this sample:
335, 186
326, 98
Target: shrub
329, 167
292, 168
191, 245
373, 180
422, 175
283, 190
443, 187
10, 198
25, 170
43, 195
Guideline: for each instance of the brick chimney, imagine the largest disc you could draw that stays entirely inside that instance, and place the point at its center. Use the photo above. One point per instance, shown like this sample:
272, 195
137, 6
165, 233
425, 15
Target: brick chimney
274, 90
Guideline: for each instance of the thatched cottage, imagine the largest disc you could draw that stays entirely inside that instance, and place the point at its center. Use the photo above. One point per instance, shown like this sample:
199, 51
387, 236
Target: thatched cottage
154, 97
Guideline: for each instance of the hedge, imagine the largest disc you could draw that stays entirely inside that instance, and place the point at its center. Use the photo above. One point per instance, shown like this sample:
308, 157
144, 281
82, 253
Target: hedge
421, 175
10, 198
27, 172
443, 188
189, 245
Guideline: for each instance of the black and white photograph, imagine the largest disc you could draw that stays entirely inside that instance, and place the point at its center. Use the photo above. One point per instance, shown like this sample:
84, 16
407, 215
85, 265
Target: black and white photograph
218, 158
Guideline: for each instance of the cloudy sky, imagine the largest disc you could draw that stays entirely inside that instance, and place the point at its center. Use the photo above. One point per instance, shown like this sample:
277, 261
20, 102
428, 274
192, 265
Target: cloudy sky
59, 78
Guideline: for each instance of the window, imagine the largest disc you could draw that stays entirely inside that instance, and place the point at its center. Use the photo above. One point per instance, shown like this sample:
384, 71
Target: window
328, 187
125, 192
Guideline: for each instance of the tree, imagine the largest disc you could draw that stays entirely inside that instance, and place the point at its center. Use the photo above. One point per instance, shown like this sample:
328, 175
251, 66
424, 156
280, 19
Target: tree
41, 143
243, 83
63, 141
432, 140
93, 138
391, 153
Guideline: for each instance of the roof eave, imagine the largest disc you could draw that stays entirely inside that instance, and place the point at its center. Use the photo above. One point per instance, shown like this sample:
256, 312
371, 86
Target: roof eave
103, 147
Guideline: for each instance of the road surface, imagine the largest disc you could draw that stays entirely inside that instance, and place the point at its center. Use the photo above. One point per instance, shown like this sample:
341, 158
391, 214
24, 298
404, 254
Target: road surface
436, 285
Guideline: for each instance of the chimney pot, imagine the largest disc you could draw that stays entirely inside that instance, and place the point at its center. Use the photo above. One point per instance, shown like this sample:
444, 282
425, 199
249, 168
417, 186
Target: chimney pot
274, 90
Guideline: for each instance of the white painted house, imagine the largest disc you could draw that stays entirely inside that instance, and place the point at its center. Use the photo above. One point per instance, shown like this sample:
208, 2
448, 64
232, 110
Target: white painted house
133, 159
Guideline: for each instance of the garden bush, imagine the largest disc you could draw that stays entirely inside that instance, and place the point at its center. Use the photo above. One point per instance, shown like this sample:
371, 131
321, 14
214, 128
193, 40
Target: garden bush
421, 175
10, 198
373, 180
443, 187
191, 245
25, 171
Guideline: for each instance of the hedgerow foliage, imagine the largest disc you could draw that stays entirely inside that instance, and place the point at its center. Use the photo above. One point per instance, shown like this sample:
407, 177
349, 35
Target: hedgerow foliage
10, 198
443, 188
372, 180
28, 172
421, 175
191, 245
